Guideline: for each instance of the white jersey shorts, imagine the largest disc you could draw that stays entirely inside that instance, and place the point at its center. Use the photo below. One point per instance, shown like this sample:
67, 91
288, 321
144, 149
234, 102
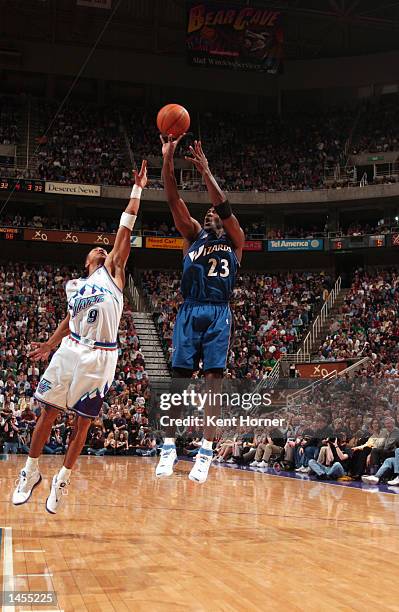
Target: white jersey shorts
77, 378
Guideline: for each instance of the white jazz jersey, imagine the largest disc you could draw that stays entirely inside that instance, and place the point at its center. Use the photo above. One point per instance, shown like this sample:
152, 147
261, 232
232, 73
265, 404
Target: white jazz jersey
83, 368
95, 306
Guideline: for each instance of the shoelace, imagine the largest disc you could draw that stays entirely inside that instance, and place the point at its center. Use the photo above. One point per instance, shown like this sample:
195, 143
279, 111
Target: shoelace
21, 481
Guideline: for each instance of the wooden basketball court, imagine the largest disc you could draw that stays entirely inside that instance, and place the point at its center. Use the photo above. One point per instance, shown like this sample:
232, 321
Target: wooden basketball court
243, 541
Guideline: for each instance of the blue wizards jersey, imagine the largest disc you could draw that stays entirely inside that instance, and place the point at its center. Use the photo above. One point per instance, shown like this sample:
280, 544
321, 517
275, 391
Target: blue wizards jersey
209, 269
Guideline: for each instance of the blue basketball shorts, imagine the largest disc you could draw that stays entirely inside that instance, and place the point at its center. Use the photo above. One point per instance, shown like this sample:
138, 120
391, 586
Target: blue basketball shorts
202, 332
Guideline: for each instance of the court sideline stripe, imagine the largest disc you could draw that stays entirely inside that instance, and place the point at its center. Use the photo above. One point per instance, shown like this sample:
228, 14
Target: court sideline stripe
8, 566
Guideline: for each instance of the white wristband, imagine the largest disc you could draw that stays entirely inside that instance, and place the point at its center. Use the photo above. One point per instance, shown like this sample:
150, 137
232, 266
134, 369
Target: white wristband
128, 220
136, 192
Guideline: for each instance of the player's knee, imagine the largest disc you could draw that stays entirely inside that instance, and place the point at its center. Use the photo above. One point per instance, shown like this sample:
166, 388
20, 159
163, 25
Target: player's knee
82, 424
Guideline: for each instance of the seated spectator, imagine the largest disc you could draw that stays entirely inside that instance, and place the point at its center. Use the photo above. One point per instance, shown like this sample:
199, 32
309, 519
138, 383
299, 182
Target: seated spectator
390, 464
391, 441
274, 445
336, 460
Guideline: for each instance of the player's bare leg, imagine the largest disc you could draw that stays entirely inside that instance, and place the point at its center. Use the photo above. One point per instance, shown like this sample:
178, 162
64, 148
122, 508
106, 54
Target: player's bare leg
203, 460
30, 476
61, 480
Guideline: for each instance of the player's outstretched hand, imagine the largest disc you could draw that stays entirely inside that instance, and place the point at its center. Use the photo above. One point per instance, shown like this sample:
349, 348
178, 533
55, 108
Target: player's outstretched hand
40, 351
169, 146
198, 157
140, 178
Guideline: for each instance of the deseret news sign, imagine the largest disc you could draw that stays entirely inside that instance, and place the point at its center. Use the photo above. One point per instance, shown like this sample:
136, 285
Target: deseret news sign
296, 244
73, 189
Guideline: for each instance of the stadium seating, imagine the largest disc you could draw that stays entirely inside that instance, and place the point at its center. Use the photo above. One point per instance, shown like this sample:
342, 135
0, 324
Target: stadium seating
367, 325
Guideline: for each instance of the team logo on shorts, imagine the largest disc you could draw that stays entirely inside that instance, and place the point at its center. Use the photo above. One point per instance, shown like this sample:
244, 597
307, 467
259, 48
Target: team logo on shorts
44, 385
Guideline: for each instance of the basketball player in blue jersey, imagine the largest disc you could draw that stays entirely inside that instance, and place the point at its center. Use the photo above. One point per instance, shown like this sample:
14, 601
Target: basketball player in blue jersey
211, 257
82, 370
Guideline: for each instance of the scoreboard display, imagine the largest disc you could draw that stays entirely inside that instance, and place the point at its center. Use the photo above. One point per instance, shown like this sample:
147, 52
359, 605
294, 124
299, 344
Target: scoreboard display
22, 185
356, 242
10, 233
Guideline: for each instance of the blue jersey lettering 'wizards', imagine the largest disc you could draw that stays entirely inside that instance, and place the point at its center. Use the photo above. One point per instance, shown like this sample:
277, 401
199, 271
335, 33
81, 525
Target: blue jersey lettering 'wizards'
209, 269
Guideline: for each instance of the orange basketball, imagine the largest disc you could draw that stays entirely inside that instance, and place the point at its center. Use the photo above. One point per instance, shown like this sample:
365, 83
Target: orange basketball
173, 119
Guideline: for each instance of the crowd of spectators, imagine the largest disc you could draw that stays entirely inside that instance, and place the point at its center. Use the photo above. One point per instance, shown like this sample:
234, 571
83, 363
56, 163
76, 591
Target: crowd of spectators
9, 133
253, 229
346, 430
84, 145
256, 152
87, 144
377, 130
32, 303
367, 324
271, 314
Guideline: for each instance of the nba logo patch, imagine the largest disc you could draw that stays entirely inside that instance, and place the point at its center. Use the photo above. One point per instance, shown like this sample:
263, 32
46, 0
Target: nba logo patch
44, 385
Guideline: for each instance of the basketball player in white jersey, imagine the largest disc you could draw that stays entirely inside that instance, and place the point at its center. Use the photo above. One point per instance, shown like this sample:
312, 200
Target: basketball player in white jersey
82, 369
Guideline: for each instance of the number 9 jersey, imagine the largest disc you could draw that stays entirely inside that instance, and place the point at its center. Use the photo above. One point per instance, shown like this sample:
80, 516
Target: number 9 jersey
209, 269
95, 306
83, 368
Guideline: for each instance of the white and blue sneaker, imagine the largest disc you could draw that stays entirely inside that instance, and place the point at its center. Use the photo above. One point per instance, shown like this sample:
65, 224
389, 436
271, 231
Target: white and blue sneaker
57, 491
167, 461
26, 482
200, 469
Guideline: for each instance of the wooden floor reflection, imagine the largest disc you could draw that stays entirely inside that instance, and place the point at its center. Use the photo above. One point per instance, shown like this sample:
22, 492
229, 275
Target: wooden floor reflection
243, 541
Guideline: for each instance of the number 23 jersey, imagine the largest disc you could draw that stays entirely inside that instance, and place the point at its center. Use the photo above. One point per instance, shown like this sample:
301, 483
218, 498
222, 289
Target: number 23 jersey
209, 269
95, 306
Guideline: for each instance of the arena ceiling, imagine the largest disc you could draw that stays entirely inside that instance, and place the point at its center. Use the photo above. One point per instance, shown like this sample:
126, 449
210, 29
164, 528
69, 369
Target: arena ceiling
313, 28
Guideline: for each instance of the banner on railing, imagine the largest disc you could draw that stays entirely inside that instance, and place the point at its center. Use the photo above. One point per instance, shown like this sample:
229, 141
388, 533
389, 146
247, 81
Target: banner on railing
136, 242
68, 237
75, 189
253, 245
155, 242
296, 244
320, 369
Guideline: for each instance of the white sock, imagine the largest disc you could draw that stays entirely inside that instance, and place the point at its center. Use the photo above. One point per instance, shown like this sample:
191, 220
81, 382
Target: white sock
169, 441
207, 444
31, 465
64, 474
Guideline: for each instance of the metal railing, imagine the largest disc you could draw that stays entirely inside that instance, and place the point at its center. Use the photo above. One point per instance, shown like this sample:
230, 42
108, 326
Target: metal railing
137, 302
296, 357
301, 394
319, 321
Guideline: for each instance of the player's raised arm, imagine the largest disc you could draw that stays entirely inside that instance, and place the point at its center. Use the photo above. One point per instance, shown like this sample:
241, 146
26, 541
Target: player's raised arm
117, 258
219, 200
188, 227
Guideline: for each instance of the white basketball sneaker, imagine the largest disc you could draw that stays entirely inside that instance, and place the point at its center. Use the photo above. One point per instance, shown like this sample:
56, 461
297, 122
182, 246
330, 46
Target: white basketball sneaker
58, 489
25, 485
167, 461
200, 469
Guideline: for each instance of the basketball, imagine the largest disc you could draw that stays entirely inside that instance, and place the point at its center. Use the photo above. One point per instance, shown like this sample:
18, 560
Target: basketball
173, 119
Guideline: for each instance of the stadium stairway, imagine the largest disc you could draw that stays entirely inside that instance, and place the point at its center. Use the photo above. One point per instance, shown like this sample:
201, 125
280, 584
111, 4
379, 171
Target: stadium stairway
324, 330
150, 344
